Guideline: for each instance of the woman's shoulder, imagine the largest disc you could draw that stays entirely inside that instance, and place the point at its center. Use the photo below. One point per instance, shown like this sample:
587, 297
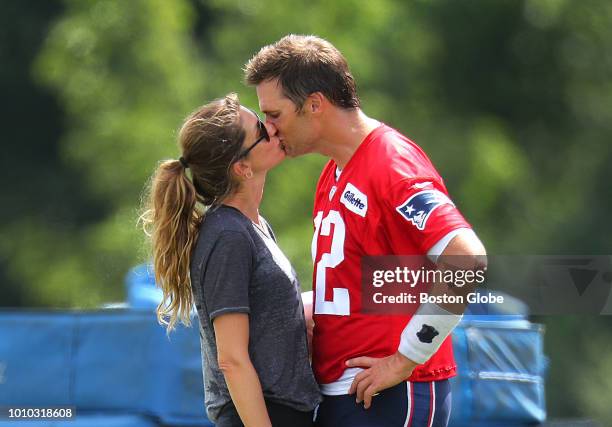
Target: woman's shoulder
224, 218
227, 226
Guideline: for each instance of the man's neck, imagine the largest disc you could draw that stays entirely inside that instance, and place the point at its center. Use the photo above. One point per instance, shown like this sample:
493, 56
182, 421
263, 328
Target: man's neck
344, 133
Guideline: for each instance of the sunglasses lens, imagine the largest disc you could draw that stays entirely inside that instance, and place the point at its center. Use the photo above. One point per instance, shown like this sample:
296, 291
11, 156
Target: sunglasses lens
263, 132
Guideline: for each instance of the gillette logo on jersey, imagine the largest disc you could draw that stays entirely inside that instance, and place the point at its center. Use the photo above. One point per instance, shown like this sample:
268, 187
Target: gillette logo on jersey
420, 205
355, 200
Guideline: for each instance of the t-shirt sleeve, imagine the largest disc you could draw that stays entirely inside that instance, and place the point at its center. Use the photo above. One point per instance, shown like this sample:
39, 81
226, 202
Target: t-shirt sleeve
228, 274
421, 210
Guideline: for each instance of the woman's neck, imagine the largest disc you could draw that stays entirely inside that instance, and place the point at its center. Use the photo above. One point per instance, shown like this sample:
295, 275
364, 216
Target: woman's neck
248, 198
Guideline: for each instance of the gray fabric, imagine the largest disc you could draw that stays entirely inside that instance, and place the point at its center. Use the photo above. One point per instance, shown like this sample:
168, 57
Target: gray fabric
233, 271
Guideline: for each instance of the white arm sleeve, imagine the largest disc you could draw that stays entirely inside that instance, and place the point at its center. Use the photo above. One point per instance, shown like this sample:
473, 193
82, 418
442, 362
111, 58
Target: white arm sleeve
437, 249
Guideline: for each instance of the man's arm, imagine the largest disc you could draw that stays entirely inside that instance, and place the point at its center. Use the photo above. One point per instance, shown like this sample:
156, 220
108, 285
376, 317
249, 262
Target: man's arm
464, 252
307, 298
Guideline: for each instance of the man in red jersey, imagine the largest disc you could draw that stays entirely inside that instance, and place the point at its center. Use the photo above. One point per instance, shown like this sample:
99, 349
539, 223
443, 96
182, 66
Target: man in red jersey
379, 194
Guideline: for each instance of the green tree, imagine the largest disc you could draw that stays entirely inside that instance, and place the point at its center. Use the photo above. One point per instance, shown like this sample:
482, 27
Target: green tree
31, 125
126, 74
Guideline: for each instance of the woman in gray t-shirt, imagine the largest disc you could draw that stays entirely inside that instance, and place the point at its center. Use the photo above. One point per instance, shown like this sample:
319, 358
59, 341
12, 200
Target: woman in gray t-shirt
211, 248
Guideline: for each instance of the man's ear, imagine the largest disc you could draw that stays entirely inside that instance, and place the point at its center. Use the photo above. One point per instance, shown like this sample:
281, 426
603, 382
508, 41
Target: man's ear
315, 102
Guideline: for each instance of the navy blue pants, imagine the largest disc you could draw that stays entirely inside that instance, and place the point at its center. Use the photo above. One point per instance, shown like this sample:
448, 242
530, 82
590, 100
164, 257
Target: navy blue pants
408, 404
280, 416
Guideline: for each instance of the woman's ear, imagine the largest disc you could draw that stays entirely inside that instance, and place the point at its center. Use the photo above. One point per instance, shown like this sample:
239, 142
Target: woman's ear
242, 170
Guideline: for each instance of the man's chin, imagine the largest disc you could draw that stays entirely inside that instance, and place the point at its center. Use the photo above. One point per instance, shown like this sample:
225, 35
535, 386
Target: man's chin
293, 153
289, 152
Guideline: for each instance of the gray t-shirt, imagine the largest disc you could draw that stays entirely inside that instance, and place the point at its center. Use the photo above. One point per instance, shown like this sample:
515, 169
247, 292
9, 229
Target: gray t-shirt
236, 268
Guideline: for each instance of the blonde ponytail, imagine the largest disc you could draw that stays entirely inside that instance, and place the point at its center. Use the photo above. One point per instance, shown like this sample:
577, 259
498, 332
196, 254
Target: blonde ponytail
172, 222
210, 139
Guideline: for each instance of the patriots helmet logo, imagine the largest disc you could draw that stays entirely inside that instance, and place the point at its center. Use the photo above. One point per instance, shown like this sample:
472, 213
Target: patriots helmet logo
427, 334
420, 205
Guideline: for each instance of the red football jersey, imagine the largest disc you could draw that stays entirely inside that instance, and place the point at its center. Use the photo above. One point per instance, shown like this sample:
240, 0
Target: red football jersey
388, 200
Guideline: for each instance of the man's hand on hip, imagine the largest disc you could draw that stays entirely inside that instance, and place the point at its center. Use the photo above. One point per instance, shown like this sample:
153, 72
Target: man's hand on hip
379, 374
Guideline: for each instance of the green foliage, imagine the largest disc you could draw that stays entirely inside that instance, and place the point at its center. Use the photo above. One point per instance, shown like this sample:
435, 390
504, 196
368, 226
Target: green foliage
126, 74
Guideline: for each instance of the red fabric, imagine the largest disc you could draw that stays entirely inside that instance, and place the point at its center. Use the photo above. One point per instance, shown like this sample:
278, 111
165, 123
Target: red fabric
386, 171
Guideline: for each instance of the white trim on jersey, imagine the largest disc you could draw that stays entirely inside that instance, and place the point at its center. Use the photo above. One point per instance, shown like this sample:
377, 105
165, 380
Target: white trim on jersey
338, 173
437, 249
342, 384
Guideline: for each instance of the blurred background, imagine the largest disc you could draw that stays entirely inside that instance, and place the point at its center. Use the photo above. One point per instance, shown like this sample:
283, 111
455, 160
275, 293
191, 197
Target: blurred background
512, 100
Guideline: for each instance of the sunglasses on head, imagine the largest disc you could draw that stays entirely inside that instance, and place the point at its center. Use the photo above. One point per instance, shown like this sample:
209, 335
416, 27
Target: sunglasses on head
262, 133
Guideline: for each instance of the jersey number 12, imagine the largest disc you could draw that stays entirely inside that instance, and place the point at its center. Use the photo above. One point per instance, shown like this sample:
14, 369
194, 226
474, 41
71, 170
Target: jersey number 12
340, 304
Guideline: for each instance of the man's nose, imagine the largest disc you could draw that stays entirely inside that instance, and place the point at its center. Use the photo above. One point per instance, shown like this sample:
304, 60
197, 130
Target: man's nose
270, 128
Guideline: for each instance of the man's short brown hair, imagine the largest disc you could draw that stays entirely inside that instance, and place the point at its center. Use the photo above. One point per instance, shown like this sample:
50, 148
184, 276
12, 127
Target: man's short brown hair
305, 65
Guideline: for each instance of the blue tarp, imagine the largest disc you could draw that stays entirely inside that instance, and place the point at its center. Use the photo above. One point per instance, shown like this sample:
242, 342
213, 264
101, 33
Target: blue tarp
501, 368
87, 420
121, 364
106, 360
